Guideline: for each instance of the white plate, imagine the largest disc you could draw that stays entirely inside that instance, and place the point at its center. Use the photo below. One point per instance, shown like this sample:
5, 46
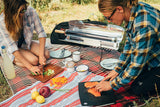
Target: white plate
57, 54
109, 63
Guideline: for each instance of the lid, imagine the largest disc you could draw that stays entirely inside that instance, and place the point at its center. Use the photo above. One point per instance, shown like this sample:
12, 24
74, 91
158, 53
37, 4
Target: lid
76, 52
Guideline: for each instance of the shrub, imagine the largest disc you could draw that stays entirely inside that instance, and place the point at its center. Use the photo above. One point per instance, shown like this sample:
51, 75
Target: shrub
82, 1
1, 6
39, 4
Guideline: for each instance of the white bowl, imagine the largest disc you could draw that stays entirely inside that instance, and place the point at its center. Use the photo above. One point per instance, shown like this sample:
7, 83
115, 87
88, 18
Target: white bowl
82, 69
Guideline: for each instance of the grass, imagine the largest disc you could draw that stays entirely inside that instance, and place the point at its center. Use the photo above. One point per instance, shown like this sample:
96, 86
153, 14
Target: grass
60, 12
68, 12
5, 91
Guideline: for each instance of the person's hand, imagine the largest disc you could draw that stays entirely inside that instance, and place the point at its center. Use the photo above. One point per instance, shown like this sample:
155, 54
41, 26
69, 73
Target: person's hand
103, 86
42, 60
113, 74
36, 70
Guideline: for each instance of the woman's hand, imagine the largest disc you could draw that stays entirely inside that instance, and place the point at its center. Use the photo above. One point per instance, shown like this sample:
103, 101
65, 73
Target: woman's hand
103, 86
42, 60
113, 74
36, 70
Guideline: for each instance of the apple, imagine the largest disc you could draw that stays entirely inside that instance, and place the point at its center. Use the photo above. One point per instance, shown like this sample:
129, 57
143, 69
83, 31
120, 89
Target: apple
45, 91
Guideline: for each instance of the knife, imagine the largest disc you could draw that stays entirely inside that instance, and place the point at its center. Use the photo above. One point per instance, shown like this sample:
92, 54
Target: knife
42, 70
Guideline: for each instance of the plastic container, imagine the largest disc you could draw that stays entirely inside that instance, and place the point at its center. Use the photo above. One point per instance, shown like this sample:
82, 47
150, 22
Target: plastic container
76, 56
8, 66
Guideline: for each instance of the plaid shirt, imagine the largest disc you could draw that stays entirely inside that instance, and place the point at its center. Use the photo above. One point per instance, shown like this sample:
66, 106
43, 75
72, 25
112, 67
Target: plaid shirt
31, 22
142, 44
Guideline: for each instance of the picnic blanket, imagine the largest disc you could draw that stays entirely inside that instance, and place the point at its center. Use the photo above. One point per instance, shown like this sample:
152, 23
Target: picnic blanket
57, 98
89, 56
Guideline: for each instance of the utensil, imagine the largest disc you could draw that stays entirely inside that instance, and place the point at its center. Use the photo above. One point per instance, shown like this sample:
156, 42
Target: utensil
43, 71
62, 52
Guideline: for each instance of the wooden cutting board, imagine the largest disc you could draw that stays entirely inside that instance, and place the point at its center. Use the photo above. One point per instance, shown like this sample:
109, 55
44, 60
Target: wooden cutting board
57, 70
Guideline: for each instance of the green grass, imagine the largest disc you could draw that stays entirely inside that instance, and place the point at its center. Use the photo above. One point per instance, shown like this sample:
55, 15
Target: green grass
5, 91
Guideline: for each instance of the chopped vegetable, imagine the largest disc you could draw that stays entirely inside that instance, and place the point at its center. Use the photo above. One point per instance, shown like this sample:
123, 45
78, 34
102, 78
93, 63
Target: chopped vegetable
32, 73
50, 72
58, 81
44, 73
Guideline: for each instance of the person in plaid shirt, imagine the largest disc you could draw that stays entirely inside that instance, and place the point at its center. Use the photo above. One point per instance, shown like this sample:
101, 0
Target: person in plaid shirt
17, 23
139, 63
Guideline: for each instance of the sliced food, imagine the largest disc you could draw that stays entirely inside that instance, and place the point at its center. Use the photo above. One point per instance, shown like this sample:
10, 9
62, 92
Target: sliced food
90, 84
94, 92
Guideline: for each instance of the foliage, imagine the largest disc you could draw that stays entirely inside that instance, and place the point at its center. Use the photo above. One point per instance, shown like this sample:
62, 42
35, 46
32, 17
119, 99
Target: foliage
39, 4
82, 2
1, 6
48, 4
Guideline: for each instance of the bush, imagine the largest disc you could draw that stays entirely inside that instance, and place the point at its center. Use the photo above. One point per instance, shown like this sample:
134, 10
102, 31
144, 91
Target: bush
82, 1
1, 6
44, 4
40, 4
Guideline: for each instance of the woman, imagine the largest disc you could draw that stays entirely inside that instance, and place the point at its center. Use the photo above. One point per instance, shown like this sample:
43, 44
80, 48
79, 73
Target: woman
17, 23
139, 62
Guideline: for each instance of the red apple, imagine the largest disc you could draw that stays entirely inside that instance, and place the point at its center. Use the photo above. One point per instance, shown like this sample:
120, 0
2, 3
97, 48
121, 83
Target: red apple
45, 91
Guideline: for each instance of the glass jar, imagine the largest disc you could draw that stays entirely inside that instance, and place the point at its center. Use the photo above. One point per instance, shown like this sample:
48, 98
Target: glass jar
70, 66
76, 56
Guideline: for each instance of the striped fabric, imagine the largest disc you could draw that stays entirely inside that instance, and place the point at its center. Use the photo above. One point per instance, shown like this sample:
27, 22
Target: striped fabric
22, 84
57, 99
89, 56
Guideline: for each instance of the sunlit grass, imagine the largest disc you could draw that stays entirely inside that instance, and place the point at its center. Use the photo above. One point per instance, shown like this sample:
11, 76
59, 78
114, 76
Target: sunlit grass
70, 12
154, 3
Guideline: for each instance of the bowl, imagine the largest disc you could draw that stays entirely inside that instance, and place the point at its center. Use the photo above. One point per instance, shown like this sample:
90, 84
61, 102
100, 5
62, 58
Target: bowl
82, 69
